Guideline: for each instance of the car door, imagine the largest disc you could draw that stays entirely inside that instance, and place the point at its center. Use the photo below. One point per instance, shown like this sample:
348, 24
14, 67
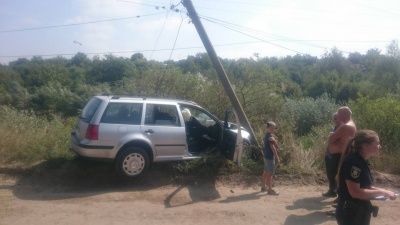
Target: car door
162, 126
203, 130
232, 140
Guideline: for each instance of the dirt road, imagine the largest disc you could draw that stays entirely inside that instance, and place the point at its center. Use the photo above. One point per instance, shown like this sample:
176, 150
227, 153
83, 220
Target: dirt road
92, 195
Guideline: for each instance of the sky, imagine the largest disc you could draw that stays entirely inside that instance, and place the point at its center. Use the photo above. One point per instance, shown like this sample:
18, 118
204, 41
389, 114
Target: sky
161, 29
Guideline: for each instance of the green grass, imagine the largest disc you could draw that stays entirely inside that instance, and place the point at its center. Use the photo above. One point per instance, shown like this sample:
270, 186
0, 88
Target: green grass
29, 139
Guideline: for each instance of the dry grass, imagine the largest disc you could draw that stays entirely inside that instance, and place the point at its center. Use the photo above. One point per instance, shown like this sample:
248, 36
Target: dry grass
304, 155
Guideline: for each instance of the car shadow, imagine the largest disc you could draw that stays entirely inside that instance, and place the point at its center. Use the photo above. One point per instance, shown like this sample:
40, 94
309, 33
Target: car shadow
64, 179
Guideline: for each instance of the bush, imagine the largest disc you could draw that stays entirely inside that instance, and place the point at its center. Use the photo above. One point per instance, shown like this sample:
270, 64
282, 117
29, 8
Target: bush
307, 113
28, 138
382, 116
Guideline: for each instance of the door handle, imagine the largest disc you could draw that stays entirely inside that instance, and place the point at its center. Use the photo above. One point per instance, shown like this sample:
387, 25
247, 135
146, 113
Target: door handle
149, 131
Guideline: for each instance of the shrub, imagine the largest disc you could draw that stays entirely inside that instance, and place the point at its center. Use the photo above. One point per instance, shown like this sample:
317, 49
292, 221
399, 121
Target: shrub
307, 113
28, 138
382, 116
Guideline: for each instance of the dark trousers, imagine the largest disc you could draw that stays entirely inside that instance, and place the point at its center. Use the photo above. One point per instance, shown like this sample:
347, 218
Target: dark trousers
348, 213
332, 166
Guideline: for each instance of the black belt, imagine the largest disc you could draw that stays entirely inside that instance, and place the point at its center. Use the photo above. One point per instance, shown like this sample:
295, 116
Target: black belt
364, 206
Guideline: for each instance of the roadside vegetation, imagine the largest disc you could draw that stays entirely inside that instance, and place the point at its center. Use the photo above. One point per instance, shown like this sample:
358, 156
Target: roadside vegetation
41, 98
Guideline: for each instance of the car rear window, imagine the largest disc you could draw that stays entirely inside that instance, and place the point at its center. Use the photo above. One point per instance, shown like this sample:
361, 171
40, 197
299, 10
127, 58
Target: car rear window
90, 109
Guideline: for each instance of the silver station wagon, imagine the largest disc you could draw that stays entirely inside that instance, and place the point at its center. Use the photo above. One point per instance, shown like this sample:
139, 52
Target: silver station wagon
134, 132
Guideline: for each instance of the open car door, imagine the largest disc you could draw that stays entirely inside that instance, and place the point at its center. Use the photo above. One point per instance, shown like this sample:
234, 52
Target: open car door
233, 135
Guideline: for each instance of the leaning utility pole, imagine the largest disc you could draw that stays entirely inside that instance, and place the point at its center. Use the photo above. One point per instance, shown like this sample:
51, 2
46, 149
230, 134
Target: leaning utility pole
218, 67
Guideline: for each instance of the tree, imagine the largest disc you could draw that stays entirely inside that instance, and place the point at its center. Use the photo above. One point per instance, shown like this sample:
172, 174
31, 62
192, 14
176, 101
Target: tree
112, 69
334, 61
79, 60
12, 93
393, 49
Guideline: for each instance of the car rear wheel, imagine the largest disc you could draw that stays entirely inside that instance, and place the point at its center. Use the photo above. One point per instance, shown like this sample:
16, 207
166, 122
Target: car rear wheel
132, 163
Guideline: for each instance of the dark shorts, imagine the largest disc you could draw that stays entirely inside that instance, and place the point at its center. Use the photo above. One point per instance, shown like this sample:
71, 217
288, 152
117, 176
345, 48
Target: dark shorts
269, 166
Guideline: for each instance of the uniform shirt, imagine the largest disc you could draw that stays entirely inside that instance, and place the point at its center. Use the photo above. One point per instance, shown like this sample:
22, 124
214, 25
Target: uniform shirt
267, 147
356, 169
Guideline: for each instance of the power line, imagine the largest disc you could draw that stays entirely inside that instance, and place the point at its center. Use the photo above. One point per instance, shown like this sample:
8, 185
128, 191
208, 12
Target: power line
157, 50
257, 4
121, 52
77, 24
230, 26
280, 46
171, 6
180, 25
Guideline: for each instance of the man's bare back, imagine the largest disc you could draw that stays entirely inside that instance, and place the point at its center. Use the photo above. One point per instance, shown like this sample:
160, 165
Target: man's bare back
338, 140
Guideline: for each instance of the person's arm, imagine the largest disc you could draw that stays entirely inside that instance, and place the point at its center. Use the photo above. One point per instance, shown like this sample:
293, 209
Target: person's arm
360, 193
275, 153
336, 135
273, 139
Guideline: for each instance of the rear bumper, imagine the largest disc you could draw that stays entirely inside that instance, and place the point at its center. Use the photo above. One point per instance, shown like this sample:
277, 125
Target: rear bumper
85, 149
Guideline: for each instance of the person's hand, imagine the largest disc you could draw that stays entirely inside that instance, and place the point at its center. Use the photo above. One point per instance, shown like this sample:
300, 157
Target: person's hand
391, 195
278, 160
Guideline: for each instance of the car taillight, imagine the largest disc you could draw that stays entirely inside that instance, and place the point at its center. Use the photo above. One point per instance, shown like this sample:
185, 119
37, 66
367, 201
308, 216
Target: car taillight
92, 132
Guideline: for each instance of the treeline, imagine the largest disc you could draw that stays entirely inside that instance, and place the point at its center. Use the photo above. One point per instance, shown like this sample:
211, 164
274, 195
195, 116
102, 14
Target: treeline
299, 92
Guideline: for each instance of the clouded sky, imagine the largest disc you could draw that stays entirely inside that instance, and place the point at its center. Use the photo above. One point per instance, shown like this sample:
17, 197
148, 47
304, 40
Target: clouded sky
161, 29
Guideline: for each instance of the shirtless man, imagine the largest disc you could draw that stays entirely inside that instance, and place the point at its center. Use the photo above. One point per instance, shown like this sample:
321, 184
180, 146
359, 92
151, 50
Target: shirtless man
338, 140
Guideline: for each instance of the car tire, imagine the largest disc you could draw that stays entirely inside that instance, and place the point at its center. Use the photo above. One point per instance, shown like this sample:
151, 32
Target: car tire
132, 163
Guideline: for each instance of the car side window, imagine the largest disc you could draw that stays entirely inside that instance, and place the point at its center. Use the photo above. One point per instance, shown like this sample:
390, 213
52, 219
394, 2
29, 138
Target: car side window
123, 113
162, 115
203, 118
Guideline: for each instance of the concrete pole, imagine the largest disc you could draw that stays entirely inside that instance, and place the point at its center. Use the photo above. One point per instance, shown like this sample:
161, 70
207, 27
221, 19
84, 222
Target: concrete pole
218, 67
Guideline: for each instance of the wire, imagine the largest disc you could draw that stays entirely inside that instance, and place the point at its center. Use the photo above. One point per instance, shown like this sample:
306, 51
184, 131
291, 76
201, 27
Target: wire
229, 26
257, 4
149, 50
176, 39
76, 24
120, 52
280, 46
159, 35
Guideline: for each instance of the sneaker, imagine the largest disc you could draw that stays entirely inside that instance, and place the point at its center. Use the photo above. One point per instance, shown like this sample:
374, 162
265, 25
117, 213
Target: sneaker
263, 189
329, 194
272, 192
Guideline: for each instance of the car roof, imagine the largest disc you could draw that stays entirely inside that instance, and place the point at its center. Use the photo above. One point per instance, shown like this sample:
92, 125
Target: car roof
144, 98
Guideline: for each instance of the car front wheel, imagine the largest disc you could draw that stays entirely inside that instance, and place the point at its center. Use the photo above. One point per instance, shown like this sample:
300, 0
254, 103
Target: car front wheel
132, 163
